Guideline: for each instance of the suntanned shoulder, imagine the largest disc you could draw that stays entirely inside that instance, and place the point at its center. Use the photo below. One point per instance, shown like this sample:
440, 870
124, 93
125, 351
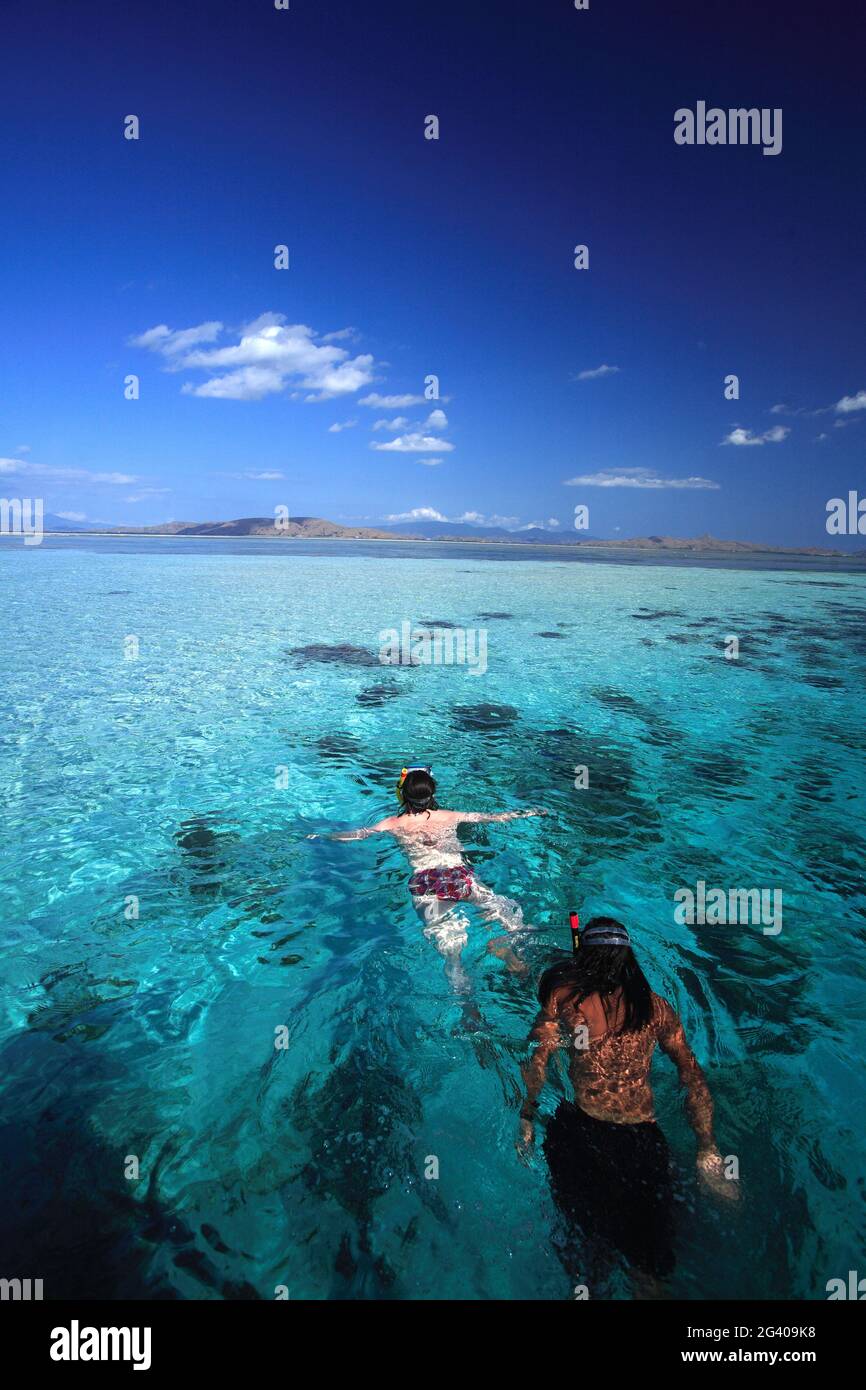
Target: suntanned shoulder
669, 1030
664, 1012
560, 999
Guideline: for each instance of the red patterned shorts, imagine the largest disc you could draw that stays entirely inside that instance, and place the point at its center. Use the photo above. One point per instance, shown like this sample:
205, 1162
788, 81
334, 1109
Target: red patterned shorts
453, 883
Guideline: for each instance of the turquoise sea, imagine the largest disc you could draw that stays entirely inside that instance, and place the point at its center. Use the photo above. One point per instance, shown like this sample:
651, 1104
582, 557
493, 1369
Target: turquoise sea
164, 914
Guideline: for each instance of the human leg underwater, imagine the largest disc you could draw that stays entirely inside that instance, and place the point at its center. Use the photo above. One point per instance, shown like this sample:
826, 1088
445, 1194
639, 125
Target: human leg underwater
438, 891
447, 927
614, 1188
495, 908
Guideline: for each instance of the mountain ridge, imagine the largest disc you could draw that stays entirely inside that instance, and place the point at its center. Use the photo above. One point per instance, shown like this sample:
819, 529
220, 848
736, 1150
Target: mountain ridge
318, 528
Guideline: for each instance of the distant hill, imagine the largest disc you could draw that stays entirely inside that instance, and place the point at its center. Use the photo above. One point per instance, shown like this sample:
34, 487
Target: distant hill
462, 531
710, 545
298, 527
52, 522
314, 527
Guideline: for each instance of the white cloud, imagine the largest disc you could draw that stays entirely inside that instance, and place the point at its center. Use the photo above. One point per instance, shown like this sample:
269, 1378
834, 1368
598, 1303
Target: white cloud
742, 437
268, 475
24, 449
245, 384
342, 380
173, 342
436, 420
507, 523
418, 514
73, 516
146, 493
393, 426
845, 406
415, 443
269, 356
430, 463
390, 402
595, 372
341, 334
849, 403
344, 425
637, 477
63, 475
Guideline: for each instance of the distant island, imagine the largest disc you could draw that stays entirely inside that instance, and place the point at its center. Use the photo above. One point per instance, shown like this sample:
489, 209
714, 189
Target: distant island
316, 528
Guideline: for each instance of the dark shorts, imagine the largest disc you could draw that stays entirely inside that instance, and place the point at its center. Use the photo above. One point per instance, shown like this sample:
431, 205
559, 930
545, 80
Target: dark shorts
613, 1184
453, 883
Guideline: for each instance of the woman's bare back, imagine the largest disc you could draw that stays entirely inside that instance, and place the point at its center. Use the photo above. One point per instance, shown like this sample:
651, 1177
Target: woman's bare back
430, 837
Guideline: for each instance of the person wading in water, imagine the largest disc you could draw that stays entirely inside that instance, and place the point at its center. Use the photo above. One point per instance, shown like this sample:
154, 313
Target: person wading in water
608, 1159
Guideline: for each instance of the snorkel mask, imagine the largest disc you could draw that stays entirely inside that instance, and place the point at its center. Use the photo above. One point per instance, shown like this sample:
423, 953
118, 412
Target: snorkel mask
404, 774
599, 935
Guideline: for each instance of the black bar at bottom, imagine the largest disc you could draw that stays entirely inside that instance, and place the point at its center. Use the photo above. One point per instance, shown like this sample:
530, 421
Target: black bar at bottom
165, 1338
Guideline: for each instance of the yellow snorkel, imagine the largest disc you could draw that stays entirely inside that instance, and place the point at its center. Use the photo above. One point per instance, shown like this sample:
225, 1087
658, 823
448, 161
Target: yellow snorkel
402, 778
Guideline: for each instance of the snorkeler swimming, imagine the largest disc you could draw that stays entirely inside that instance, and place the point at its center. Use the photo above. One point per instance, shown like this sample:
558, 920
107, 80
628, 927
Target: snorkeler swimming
608, 1159
441, 879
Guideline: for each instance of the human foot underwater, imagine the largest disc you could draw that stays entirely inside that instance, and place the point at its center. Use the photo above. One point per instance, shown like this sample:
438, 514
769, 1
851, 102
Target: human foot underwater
441, 879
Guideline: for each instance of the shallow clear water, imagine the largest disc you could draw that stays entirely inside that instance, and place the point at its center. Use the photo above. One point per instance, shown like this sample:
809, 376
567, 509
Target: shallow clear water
158, 778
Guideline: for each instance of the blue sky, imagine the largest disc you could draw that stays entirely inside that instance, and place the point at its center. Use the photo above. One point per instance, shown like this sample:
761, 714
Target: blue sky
411, 257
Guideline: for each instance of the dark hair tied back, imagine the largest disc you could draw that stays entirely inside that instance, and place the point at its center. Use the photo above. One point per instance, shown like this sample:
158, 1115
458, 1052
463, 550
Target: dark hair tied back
602, 970
419, 793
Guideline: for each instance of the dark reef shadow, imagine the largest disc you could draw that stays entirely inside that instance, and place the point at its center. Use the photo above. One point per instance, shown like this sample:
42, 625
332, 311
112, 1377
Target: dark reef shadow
339, 654
483, 718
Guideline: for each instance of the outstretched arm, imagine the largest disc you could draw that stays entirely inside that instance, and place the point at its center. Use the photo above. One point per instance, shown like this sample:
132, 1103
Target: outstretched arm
361, 834
546, 1035
499, 815
698, 1104
698, 1101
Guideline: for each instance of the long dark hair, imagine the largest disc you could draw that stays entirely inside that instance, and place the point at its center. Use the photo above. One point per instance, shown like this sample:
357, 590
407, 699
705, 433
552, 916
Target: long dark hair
602, 970
419, 793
